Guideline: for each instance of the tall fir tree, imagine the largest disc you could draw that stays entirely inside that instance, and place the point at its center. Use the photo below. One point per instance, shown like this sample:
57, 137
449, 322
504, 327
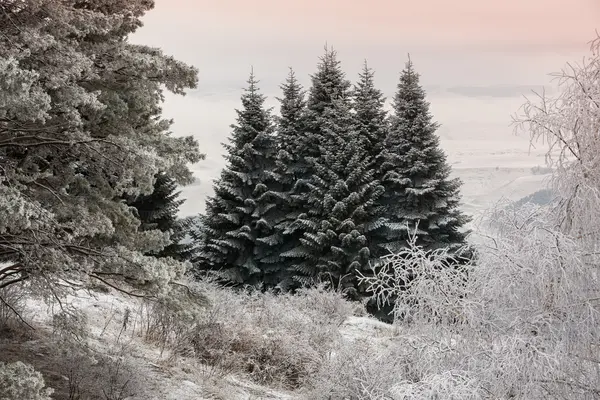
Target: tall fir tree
370, 114
158, 210
291, 167
290, 126
419, 193
371, 121
336, 197
237, 230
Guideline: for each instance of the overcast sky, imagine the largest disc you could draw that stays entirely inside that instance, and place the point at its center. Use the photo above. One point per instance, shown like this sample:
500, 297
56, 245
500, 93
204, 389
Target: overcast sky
453, 42
476, 57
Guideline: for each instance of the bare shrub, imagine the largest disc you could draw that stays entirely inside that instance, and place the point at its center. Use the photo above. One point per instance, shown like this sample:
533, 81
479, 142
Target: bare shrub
170, 320
356, 370
274, 339
110, 375
423, 285
70, 324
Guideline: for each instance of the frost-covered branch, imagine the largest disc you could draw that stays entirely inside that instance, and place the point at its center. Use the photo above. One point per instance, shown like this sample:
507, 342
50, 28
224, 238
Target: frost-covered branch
569, 124
75, 136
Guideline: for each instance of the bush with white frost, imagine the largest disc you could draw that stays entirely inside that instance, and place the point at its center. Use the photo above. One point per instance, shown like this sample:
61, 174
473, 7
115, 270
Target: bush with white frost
423, 285
19, 381
520, 323
279, 340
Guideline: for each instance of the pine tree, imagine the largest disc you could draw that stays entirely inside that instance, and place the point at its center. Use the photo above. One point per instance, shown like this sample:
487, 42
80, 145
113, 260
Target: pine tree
237, 232
81, 125
419, 193
158, 210
336, 198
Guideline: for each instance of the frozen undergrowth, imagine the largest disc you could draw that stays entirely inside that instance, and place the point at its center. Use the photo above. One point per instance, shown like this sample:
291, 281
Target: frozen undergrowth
522, 326
245, 346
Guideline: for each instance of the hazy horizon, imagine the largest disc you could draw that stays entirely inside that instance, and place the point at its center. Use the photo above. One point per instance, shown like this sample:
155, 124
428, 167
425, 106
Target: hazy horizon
476, 62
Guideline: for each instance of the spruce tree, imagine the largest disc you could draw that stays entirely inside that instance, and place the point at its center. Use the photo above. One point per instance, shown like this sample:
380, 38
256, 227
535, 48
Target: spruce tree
158, 210
372, 127
237, 232
290, 127
370, 115
336, 198
419, 193
291, 167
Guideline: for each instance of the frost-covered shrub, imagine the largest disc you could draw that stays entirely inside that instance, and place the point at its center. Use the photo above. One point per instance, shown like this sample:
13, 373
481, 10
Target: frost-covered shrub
276, 339
19, 381
423, 285
522, 324
411, 364
357, 370
169, 320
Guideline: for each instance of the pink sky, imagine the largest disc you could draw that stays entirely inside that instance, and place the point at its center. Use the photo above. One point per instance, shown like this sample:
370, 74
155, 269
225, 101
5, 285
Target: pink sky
430, 22
476, 59
453, 41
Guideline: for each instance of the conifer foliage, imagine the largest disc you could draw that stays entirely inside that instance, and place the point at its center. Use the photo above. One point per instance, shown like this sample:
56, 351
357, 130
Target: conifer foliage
158, 210
237, 232
336, 198
81, 127
291, 167
372, 127
371, 117
419, 194
331, 187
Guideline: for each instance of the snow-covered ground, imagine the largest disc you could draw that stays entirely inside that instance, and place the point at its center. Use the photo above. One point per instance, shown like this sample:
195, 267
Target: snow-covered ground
160, 376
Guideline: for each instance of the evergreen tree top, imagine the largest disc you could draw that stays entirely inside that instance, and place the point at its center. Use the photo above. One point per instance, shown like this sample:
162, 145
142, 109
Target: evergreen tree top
368, 100
409, 101
329, 83
366, 77
252, 118
292, 102
252, 99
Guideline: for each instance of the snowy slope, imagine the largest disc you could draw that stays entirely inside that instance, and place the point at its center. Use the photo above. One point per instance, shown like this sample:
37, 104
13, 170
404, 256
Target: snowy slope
159, 375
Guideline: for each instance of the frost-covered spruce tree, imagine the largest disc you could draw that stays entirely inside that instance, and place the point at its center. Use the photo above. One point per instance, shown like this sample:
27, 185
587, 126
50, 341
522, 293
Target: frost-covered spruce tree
372, 127
158, 210
81, 127
237, 229
291, 166
419, 194
370, 115
336, 199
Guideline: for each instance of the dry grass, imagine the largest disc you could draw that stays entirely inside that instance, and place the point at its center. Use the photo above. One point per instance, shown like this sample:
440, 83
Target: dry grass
278, 340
